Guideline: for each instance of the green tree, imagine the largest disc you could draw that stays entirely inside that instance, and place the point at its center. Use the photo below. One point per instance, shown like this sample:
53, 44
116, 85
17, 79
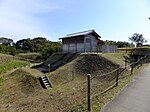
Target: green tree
39, 43
118, 43
138, 39
124, 44
6, 41
50, 48
13, 51
25, 44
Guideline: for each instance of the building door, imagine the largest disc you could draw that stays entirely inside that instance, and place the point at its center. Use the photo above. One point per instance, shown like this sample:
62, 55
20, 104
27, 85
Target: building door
88, 45
72, 47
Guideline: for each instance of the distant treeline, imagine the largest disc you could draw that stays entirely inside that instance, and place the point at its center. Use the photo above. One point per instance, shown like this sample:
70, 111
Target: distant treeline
120, 44
38, 44
41, 45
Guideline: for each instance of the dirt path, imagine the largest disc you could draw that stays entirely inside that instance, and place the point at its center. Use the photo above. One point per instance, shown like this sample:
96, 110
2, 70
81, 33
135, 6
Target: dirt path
135, 97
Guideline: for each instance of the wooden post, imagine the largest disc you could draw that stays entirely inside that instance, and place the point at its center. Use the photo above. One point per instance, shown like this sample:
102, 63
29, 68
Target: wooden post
117, 75
125, 63
132, 66
141, 61
89, 91
49, 68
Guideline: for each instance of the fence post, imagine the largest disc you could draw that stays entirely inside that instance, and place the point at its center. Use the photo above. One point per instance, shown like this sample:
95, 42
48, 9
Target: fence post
49, 68
117, 75
141, 61
132, 66
89, 91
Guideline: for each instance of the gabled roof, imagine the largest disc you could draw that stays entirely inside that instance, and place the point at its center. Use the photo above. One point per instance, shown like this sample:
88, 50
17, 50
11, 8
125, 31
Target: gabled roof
83, 33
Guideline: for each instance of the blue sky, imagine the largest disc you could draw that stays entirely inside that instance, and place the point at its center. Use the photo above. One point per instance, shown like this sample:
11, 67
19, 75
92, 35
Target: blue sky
112, 19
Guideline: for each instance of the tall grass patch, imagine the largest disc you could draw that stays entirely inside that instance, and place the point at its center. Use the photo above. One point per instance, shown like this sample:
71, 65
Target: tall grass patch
6, 66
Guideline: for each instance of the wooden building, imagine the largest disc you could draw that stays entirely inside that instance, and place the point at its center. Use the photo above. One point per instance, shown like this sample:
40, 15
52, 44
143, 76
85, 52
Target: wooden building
86, 41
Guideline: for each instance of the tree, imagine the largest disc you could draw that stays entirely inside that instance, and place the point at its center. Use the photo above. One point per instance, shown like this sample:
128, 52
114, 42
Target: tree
138, 39
118, 43
124, 44
13, 51
39, 43
24, 44
6, 41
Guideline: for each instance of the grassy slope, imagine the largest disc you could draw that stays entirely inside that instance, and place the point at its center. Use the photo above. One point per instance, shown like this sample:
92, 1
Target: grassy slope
115, 57
6, 58
18, 86
6, 66
32, 56
23, 92
7, 63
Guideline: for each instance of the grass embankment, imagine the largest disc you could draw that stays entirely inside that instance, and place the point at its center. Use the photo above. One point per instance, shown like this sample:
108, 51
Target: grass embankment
95, 65
18, 92
6, 58
34, 57
117, 58
69, 87
7, 66
7, 63
70, 79
136, 50
69, 93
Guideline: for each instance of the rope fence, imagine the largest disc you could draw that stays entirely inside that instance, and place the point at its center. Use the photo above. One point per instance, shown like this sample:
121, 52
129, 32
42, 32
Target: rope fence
86, 91
113, 76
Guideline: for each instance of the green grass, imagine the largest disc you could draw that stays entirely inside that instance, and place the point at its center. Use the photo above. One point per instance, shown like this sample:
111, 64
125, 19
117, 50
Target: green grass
30, 56
69, 93
104, 98
6, 66
1, 80
6, 58
115, 57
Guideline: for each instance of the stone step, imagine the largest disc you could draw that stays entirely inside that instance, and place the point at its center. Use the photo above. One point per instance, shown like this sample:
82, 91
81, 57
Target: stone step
46, 82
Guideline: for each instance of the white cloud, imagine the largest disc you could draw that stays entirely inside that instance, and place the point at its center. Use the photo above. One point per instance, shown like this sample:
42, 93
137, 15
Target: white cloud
19, 18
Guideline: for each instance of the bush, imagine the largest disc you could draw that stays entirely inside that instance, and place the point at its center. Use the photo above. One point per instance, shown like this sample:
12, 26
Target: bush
13, 51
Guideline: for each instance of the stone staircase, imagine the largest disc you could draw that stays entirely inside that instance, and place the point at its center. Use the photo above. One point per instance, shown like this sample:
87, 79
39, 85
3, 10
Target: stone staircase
62, 61
55, 61
54, 58
46, 82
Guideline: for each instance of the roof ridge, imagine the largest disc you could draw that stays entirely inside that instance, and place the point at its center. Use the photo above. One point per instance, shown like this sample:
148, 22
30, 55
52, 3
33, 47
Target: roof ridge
79, 32
83, 33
